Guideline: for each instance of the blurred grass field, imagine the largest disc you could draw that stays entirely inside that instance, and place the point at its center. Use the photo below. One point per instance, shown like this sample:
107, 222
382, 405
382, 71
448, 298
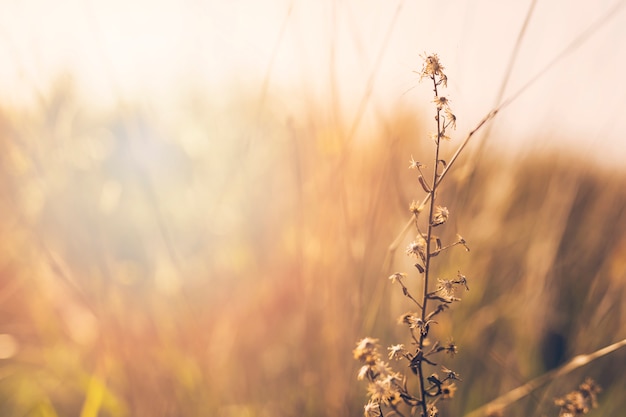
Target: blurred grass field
224, 261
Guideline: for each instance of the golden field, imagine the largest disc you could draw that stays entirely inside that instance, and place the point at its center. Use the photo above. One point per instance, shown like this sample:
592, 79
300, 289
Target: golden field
226, 261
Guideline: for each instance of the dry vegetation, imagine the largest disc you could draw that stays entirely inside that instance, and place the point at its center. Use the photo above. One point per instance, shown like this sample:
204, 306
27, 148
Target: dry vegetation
210, 267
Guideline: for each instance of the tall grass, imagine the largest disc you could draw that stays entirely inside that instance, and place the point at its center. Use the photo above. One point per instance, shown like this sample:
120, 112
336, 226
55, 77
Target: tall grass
221, 259
238, 285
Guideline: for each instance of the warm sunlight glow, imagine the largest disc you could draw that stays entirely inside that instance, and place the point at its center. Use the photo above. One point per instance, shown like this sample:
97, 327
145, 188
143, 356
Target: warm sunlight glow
202, 202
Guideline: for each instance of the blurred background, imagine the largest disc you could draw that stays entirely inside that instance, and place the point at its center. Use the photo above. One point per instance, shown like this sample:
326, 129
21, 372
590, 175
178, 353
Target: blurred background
198, 200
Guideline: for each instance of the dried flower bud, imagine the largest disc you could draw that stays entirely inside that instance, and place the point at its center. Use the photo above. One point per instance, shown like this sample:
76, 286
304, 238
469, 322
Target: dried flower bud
433, 411
371, 409
461, 241
366, 351
413, 164
461, 279
396, 351
417, 248
432, 67
441, 102
450, 117
396, 277
580, 401
440, 216
447, 390
416, 207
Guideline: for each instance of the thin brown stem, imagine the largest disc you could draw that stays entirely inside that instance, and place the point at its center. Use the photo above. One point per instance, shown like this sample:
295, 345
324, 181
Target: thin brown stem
429, 234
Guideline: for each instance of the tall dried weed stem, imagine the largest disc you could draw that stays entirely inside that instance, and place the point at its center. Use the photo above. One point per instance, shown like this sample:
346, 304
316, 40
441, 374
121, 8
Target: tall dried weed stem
389, 390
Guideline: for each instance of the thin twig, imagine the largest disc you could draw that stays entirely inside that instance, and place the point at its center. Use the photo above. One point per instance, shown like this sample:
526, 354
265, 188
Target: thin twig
520, 392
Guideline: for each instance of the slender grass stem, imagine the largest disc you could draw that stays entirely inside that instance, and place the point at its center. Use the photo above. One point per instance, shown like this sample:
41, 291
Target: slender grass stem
429, 235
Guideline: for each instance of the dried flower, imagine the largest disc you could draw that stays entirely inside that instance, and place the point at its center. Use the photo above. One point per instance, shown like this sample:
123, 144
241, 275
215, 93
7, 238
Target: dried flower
416, 207
381, 369
378, 391
450, 374
445, 288
394, 379
441, 102
440, 216
417, 248
366, 351
396, 351
462, 279
409, 318
447, 390
461, 241
363, 372
382, 391
413, 164
580, 401
371, 409
450, 117
451, 348
443, 79
432, 67
397, 277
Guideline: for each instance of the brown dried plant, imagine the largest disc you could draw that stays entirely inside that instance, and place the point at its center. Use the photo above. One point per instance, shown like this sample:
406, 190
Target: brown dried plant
388, 390
580, 401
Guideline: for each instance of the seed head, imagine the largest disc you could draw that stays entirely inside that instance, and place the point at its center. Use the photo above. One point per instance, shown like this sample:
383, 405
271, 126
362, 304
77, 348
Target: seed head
417, 248
371, 409
441, 102
396, 351
440, 216
366, 351
432, 67
413, 164
450, 117
448, 389
397, 277
416, 207
445, 288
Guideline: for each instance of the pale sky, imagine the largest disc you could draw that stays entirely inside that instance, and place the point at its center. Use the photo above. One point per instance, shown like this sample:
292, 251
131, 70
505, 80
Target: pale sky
152, 49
